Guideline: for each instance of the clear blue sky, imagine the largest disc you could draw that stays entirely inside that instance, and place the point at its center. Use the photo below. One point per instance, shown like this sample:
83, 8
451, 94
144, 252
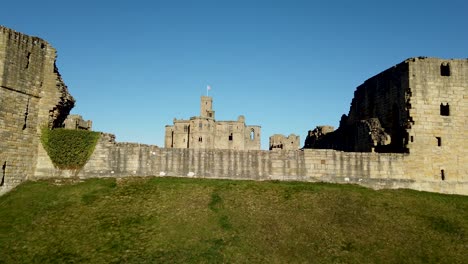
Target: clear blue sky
288, 65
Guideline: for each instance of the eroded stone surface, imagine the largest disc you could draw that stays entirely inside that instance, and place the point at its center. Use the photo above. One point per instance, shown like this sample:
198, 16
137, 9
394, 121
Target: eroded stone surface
32, 94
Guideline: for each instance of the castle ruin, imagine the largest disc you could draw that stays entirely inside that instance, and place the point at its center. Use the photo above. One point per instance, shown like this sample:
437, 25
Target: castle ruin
418, 107
77, 122
406, 128
281, 142
204, 132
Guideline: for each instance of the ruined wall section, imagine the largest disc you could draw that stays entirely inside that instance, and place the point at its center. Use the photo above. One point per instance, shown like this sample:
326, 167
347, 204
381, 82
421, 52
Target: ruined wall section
281, 142
378, 118
229, 135
28, 89
375, 170
383, 97
252, 136
77, 122
439, 107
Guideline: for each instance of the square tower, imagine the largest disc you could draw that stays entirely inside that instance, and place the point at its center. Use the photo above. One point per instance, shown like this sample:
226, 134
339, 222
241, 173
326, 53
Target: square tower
206, 107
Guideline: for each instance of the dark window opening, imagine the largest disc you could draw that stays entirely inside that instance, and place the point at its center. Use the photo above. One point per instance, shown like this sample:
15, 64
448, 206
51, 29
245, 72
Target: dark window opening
252, 134
439, 141
442, 175
412, 139
200, 139
210, 114
28, 58
3, 174
26, 115
445, 69
172, 139
444, 109
230, 137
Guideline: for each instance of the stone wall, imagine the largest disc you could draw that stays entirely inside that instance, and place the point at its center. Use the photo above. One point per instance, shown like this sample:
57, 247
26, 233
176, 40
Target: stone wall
32, 94
375, 170
437, 141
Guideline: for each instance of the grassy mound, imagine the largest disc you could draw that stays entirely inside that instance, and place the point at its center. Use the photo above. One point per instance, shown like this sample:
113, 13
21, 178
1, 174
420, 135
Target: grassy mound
154, 220
69, 149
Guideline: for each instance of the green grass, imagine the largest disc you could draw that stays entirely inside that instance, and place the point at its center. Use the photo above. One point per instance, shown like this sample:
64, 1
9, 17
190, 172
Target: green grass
176, 220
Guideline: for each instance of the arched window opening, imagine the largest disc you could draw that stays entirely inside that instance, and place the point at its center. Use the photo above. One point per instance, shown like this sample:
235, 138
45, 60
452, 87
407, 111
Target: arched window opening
252, 134
230, 137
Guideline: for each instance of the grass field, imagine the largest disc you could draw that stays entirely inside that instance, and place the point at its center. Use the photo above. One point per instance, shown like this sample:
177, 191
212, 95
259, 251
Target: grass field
176, 220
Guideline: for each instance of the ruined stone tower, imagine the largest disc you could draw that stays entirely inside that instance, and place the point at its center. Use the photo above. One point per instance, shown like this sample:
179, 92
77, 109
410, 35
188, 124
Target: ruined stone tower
420, 107
32, 95
206, 107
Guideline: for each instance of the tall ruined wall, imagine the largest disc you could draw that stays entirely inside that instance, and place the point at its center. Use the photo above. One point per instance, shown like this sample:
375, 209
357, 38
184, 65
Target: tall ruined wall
437, 140
31, 94
383, 97
375, 170
378, 115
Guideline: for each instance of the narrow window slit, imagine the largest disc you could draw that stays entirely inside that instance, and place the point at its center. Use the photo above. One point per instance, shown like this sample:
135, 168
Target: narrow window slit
439, 141
3, 173
26, 115
442, 175
28, 58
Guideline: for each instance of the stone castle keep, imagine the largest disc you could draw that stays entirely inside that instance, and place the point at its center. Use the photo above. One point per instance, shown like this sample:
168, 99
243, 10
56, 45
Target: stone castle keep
406, 128
204, 132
